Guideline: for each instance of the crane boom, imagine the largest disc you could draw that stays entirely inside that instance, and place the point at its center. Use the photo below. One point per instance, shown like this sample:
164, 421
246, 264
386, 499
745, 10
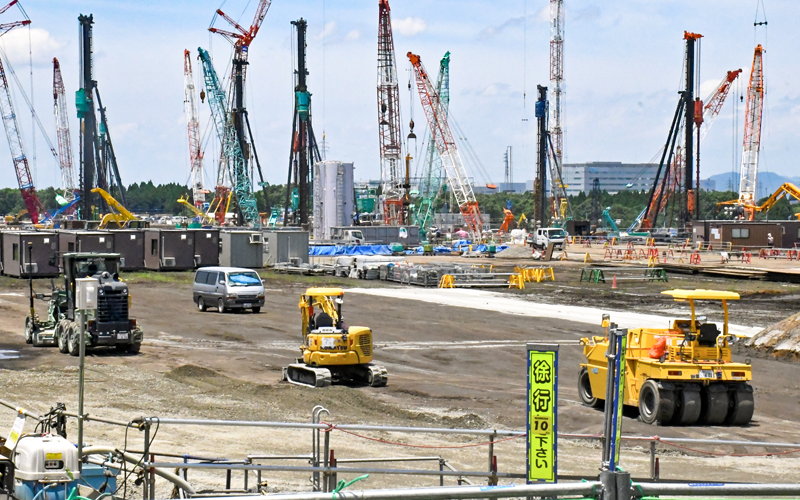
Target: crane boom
432, 176
446, 145
15, 145
231, 149
389, 120
62, 133
556, 82
752, 134
195, 154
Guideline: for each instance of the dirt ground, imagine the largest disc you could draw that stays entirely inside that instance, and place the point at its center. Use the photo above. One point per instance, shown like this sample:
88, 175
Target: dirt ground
448, 366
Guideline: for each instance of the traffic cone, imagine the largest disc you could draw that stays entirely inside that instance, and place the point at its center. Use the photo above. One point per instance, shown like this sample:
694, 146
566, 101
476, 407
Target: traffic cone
614, 282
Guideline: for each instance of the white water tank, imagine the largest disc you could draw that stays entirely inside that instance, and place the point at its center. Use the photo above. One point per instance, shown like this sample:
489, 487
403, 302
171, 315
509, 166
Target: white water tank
333, 197
45, 459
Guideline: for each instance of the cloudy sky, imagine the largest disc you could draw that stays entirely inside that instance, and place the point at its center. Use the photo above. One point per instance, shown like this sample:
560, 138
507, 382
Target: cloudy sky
623, 64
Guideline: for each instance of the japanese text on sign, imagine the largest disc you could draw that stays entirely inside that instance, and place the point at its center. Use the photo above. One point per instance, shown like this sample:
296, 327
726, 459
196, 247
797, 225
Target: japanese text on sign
542, 403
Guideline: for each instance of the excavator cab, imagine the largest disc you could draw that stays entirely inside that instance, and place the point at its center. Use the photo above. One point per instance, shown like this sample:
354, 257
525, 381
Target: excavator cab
332, 352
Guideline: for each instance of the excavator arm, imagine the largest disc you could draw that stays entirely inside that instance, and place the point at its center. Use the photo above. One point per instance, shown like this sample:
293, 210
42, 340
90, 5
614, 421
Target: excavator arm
785, 189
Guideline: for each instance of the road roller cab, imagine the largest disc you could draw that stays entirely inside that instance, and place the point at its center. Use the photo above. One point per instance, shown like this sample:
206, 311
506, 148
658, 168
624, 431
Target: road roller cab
683, 375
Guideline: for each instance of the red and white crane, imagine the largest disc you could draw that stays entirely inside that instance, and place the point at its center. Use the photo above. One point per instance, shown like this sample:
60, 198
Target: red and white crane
457, 177
389, 120
12, 129
195, 154
752, 136
62, 133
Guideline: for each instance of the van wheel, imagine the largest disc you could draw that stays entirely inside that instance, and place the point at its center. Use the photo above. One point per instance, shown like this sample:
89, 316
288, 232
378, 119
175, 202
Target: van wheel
220, 306
201, 304
256, 310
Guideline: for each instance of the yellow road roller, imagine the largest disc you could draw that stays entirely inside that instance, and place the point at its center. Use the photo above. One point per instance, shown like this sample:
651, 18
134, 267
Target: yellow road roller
683, 375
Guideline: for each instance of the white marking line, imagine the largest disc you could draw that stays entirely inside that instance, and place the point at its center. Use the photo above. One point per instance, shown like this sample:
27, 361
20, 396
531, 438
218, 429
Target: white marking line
12, 294
466, 344
493, 301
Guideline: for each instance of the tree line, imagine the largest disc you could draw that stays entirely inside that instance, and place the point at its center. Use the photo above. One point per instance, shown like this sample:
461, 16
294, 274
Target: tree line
146, 197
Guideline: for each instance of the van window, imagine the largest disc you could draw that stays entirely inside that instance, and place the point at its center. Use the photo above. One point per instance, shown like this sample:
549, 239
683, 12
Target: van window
201, 277
242, 278
212, 278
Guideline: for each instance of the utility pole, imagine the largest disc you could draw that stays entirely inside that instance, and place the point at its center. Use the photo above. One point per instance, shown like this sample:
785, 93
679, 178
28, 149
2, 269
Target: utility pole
541, 161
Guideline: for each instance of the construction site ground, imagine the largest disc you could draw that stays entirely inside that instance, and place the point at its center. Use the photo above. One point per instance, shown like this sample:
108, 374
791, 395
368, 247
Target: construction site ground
449, 366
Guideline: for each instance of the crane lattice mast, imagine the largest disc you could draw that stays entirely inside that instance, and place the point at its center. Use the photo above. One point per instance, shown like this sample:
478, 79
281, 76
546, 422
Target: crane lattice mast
62, 132
241, 40
752, 135
556, 88
389, 120
195, 154
21, 167
432, 177
457, 177
231, 149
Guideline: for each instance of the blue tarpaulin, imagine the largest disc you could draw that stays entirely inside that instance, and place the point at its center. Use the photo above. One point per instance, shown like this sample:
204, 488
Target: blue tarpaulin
333, 250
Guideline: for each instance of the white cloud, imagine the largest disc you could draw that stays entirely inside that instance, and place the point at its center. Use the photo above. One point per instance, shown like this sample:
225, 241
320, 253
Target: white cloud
409, 26
330, 29
707, 87
43, 46
352, 36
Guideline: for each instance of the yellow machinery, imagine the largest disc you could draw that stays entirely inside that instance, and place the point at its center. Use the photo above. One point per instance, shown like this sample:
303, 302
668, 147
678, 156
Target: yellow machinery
747, 211
204, 217
121, 217
332, 351
683, 375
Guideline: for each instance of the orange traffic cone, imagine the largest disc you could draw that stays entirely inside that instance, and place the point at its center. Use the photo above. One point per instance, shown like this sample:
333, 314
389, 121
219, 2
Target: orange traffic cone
614, 283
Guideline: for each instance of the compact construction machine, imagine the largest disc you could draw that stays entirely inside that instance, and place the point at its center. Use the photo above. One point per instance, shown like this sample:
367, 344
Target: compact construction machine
682, 375
109, 325
332, 351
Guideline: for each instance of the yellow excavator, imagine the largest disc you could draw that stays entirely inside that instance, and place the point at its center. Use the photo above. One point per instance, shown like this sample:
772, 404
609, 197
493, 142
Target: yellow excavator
683, 375
332, 352
119, 216
747, 211
206, 218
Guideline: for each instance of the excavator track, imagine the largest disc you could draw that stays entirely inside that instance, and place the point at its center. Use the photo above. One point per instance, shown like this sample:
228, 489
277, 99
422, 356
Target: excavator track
308, 376
377, 376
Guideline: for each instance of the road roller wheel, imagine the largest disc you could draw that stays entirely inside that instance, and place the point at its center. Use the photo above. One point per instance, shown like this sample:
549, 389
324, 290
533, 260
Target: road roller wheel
656, 405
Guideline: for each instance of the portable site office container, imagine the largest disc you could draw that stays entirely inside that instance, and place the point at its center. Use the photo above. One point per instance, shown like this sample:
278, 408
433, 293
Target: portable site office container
738, 234
85, 241
283, 246
241, 249
206, 247
383, 235
129, 244
43, 260
169, 249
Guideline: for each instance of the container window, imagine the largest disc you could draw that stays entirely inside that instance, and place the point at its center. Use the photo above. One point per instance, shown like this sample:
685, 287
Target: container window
15, 251
740, 233
154, 247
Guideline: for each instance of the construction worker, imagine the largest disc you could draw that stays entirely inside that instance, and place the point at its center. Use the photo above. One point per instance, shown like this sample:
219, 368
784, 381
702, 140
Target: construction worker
770, 240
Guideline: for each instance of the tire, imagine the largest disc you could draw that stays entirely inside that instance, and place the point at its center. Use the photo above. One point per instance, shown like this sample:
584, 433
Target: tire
201, 304
134, 348
73, 340
256, 310
61, 334
688, 405
220, 306
585, 390
28, 330
715, 405
741, 406
656, 406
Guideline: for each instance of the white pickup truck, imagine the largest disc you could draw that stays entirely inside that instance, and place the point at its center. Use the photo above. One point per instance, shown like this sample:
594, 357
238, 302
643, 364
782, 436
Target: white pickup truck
542, 237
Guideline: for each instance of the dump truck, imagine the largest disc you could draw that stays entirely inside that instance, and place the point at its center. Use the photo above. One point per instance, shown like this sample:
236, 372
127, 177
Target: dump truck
682, 375
108, 326
332, 352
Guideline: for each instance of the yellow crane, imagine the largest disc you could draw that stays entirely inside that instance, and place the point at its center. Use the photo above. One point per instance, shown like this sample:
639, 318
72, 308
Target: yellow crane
122, 217
206, 218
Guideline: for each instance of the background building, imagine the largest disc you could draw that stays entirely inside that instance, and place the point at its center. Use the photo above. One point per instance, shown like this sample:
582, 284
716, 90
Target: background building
613, 176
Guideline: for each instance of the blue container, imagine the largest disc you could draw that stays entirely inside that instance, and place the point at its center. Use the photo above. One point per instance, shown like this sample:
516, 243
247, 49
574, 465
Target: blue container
27, 490
95, 476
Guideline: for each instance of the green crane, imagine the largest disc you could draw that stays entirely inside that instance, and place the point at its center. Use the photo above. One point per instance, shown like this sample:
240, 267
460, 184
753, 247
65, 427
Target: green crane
231, 150
432, 176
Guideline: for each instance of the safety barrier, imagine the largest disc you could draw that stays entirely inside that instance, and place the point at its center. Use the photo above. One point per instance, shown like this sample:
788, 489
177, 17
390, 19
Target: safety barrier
536, 274
597, 274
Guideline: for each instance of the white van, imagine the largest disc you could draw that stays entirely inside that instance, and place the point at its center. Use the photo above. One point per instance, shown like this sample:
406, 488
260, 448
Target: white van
228, 288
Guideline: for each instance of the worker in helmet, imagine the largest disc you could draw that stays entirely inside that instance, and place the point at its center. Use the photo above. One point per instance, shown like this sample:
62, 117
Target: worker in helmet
770, 240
